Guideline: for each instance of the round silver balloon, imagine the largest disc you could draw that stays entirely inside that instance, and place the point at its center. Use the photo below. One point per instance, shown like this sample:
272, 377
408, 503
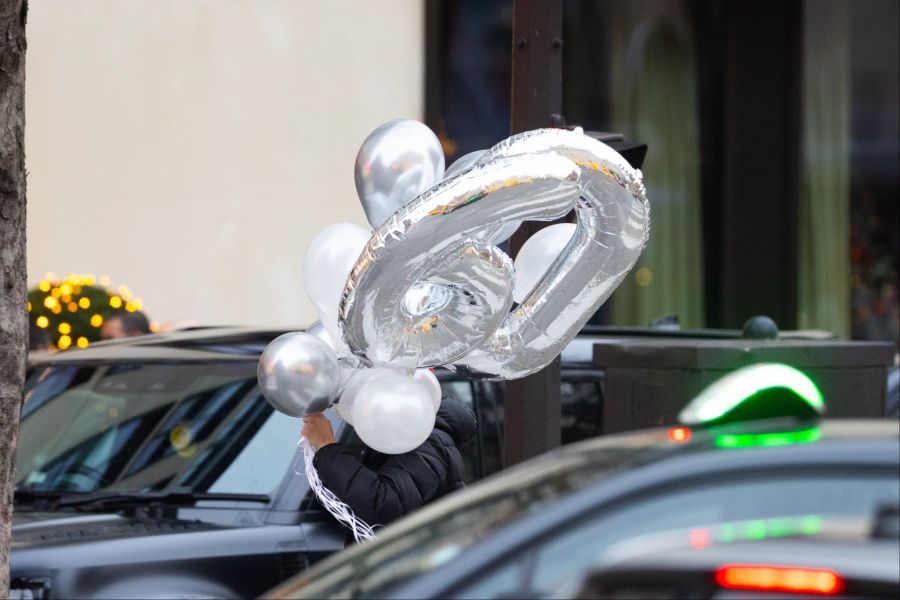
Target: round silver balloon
432, 241
397, 162
298, 374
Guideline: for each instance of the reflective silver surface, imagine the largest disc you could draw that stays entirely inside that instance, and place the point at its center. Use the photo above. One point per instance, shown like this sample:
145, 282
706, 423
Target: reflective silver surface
433, 241
298, 374
397, 162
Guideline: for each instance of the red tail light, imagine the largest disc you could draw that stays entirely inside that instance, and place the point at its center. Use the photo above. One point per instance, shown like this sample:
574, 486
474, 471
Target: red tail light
679, 434
772, 578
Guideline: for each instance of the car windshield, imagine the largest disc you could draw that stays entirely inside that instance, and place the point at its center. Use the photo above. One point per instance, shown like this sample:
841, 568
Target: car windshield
136, 427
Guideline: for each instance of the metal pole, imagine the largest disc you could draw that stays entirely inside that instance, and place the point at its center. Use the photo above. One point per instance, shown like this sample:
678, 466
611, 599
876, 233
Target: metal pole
532, 405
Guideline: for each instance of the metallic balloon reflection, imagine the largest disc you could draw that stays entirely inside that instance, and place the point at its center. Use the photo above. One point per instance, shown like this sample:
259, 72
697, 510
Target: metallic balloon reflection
428, 289
397, 162
298, 374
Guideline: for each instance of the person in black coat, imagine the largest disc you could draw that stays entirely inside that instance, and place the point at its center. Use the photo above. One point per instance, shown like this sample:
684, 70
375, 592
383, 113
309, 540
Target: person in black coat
381, 488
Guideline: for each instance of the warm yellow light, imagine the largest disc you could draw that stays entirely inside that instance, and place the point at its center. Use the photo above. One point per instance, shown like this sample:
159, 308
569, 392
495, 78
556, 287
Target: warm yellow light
129, 306
90, 280
84, 302
64, 342
65, 328
104, 280
50, 302
138, 304
115, 302
96, 320
82, 342
55, 292
56, 309
72, 307
42, 322
154, 327
44, 286
29, 307
66, 289
77, 289
65, 298
644, 276
123, 289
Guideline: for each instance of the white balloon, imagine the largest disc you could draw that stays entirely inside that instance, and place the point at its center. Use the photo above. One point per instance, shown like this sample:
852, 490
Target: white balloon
427, 377
537, 254
327, 263
359, 378
318, 330
393, 414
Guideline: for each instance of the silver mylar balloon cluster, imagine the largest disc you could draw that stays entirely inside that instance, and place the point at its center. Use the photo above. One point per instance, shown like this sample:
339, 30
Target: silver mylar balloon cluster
429, 286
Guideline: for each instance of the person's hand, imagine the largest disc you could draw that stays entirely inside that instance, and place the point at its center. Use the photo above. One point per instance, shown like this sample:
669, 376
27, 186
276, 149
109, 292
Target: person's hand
317, 430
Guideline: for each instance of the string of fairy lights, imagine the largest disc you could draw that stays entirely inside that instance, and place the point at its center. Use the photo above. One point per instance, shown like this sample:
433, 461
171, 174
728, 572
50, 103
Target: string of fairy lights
73, 309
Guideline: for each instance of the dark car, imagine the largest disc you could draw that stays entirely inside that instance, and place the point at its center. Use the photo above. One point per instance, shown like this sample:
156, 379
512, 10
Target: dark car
844, 559
526, 532
153, 467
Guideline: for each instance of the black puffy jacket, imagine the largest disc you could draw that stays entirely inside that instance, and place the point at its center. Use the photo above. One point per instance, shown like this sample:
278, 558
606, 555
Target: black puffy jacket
381, 488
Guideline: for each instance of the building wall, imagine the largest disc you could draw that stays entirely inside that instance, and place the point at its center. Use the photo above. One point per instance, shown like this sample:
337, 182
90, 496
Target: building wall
191, 148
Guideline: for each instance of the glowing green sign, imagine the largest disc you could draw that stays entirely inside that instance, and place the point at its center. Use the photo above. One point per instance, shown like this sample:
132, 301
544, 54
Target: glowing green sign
730, 391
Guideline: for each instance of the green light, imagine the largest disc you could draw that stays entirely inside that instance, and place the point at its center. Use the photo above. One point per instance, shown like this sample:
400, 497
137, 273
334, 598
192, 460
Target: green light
755, 440
730, 391
727, 533
780, 528
811, 525
763, 529
755, 530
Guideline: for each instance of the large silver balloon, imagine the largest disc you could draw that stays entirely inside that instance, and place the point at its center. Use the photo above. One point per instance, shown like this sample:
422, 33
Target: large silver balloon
298, 374
396, 163
461, 287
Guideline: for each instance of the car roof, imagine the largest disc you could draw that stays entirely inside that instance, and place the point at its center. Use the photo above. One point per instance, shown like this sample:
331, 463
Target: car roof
193, 344
227, 342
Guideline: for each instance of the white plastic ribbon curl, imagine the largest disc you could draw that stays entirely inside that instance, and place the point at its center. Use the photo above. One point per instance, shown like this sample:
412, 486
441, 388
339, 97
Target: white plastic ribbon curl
339, 510
426, 292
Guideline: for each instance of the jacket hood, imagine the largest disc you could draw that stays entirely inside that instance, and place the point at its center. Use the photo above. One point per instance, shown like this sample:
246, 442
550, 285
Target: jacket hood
457, 419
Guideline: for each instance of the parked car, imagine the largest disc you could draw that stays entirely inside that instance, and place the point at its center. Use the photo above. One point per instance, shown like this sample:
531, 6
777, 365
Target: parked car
152, 466
527, 532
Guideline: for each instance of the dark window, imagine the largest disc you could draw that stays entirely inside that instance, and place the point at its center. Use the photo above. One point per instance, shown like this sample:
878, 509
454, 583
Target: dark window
748, 508
142, 427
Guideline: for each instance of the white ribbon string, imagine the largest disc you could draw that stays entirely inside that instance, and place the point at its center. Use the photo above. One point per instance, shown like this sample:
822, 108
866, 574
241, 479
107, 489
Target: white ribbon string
361, 530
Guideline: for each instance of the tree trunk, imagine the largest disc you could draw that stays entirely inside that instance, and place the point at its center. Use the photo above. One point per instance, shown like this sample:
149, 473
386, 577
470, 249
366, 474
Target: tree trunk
13, 314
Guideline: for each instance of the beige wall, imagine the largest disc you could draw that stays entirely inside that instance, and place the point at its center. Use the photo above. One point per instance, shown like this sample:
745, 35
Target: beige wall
191, 148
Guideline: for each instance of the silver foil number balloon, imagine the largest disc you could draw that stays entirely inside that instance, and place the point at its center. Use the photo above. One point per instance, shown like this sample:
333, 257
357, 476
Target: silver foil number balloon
298, 374
427, 290
396, 163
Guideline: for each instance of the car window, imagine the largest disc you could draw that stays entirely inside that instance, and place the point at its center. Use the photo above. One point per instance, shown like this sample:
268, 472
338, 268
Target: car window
752, 507
152, 427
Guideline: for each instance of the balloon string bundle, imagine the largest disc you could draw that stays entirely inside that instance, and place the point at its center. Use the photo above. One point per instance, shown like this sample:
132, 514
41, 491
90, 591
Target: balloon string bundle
361, 530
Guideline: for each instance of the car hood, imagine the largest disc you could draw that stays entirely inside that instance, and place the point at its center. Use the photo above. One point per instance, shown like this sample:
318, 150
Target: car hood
59, 540
46, 528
